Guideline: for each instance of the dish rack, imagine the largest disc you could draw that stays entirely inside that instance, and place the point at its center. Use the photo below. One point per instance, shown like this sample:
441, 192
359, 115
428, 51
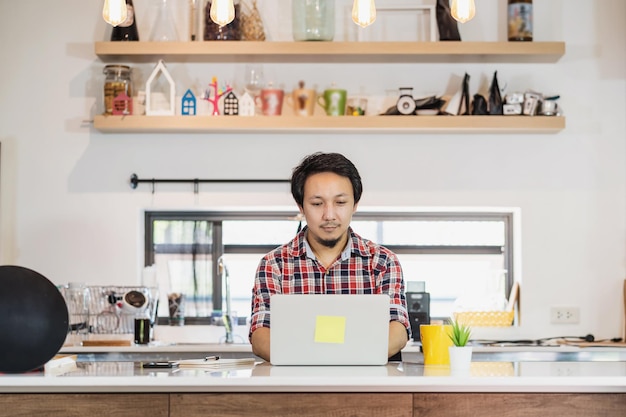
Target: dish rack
110, 313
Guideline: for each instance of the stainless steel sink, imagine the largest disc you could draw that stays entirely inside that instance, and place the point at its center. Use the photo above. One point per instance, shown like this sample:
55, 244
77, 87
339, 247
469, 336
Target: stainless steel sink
583, 355
155, 356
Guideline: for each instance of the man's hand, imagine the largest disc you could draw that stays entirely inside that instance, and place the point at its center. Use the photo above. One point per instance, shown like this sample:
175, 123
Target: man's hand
397, 337
261, 343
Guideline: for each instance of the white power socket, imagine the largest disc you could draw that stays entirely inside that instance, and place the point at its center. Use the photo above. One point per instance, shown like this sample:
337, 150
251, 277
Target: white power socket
564, 315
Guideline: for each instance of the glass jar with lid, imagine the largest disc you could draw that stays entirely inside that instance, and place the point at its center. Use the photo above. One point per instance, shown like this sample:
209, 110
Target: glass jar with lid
520, 20
313, 20
117, 81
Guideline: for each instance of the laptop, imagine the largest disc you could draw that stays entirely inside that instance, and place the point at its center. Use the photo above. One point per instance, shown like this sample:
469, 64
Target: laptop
329, 329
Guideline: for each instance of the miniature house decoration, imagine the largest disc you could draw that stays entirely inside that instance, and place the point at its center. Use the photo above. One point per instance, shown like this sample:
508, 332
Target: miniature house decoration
122, 105
231, 104
157, 104
188, 104
246, 105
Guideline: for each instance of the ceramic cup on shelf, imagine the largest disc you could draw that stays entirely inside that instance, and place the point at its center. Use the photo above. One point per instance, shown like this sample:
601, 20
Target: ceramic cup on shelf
302, 100
271, 101
333, 101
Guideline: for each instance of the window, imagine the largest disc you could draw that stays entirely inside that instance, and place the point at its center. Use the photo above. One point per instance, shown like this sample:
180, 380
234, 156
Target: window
460, 257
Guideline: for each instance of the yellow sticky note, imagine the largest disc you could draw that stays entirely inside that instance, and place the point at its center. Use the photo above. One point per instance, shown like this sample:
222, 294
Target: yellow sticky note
330, 329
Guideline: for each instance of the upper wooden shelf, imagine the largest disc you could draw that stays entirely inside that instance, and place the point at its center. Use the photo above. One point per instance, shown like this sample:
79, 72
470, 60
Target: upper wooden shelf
448, 51
340, 124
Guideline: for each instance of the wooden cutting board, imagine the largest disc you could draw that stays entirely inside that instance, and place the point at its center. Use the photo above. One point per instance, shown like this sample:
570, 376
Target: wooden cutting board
106, 343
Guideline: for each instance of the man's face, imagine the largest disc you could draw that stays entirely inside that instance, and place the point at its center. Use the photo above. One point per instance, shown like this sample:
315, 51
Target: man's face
328, 207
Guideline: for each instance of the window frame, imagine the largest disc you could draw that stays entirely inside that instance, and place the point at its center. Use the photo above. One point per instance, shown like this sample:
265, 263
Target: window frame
217, 248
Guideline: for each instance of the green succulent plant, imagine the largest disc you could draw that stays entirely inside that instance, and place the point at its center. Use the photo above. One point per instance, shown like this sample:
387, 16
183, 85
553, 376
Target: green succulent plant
460, 333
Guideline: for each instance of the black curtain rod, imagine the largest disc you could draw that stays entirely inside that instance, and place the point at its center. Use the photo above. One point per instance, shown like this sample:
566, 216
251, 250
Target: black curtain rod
135, 180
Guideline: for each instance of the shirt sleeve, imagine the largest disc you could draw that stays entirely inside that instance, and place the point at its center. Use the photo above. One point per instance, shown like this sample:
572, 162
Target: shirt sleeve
266, 283
393, 284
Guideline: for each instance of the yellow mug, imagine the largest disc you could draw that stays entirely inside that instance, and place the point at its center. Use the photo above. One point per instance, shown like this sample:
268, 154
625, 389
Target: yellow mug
435, 343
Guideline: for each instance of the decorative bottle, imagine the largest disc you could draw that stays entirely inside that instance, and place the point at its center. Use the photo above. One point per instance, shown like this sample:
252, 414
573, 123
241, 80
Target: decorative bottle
229, 32
520, 20
164, 27
313, 20
127, 30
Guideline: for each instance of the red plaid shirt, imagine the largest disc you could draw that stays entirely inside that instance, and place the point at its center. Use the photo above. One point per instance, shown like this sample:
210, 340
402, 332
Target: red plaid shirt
363, 268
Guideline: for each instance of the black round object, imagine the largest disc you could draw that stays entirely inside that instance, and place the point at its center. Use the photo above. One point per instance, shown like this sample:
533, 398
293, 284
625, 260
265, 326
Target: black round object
33, 319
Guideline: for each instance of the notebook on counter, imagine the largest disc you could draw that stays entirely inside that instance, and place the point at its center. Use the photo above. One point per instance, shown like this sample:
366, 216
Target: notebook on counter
329, 329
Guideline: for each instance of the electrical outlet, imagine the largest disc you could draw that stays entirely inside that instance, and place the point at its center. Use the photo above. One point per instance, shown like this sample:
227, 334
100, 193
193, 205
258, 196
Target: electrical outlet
564, 315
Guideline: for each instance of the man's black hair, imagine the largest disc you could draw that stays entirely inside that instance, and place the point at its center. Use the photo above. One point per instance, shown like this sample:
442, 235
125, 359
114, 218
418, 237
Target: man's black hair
324, 162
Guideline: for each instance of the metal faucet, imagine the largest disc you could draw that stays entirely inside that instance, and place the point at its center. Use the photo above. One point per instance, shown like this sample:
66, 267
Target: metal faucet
227, 315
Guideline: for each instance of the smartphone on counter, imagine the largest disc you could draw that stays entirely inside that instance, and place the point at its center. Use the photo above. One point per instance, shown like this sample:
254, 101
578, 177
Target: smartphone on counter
160, 365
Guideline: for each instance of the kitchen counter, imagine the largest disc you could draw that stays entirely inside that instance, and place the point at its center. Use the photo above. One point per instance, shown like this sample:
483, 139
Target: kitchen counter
394, 377
601, 370
397, 389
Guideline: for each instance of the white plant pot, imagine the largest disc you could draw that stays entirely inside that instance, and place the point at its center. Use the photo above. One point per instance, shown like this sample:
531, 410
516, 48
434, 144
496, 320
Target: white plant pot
460, 358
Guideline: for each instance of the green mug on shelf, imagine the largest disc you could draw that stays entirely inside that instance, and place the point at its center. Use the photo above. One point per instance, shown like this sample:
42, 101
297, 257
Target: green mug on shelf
333, 101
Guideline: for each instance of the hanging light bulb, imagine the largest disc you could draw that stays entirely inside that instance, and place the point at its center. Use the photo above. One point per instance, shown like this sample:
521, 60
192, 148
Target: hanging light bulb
463, 10
222, 11
114, 12
363, 12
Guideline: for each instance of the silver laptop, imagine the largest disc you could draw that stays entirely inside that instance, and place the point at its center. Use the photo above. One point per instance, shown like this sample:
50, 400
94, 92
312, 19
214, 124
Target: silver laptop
329, 329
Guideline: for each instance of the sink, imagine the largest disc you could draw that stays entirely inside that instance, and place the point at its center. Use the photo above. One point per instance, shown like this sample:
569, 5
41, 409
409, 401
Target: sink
536, 355
160, 351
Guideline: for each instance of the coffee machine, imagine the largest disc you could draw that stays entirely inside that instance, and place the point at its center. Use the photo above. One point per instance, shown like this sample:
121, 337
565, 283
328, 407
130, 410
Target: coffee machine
418, 305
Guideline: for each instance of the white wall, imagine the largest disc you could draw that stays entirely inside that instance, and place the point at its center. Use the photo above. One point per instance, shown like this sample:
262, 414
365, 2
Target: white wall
67, 210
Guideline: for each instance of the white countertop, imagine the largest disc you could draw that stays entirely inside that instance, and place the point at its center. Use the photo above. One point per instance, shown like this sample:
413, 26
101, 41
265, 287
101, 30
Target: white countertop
99, 377
494, 369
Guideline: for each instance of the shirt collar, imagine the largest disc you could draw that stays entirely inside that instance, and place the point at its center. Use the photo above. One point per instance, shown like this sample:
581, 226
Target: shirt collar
345, 254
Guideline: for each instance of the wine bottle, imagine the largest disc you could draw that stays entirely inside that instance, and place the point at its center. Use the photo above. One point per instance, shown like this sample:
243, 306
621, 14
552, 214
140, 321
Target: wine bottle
127, 30
520, 20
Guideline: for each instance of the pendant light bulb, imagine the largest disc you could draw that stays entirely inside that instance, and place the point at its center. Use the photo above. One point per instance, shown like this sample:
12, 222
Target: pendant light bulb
463, 10
363, 12
222, 11
114, 12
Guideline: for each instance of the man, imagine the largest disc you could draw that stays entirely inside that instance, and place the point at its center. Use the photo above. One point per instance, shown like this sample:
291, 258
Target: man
326, 256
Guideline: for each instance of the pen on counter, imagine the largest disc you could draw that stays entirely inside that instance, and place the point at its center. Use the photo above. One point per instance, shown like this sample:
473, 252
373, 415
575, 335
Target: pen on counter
211, 358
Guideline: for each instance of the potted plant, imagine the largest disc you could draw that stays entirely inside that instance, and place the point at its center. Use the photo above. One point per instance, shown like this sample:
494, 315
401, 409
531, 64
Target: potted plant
460, 352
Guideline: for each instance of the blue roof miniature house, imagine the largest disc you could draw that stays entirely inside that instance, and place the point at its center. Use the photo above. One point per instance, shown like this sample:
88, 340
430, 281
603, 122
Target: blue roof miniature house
188, 104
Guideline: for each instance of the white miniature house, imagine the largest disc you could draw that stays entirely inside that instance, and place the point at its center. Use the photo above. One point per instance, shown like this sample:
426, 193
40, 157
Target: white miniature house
246, 105
158, 103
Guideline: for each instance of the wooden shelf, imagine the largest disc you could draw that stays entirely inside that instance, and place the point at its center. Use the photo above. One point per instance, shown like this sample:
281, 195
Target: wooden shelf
330, 52
382, 52
341, 124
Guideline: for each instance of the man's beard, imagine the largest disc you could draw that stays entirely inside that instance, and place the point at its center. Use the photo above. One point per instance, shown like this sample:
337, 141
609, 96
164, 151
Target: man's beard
329, 243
